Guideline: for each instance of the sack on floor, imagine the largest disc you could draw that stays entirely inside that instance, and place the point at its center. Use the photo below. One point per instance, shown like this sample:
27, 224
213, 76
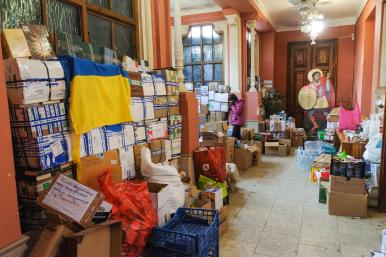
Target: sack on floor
132, 206
163, 174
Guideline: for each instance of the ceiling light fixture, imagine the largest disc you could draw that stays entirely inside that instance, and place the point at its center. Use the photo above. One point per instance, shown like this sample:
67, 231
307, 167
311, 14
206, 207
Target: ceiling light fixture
311, 20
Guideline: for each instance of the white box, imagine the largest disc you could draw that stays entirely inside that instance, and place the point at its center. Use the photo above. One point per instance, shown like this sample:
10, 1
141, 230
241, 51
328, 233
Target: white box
224, 107
137, 109
160, 201
204, 90
147, 85
221, 97
216, 196
211, 95
204, 100
139, 133
126, 158
168, 149
156, 130
128, 134
149, 108
214, 106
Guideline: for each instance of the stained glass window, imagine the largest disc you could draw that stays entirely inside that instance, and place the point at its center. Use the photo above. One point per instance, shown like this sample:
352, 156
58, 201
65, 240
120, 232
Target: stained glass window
99, 30
124, 7
125, 40
203, 55
102, 3
14, 13
63, 17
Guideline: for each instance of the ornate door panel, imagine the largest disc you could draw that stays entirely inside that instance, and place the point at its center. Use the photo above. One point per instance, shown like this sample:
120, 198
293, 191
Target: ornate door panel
302, 57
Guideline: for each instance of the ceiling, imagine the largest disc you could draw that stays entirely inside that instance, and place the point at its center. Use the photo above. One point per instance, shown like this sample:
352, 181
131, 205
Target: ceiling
284, 16
196, 6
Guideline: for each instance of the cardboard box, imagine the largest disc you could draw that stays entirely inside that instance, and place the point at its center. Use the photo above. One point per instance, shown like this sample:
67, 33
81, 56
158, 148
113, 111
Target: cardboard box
68, 44
15, 44
176, 147
322, 161
93, 142
137, 155
102, 240
160, 104
42, 153
71, 200
347, 204
38, 33
297, 140
160, 201
147, 84
90, 167
169, 75
156, 130
157, 150
202, 204
212, 139
243, 159
140, 133
114, 136
159, 84
257, 157
352, 186
127, 161
30, 90
37, 121
51, 239
186, 164
223, 220
172, 88
271, 148
215, 195
282, 150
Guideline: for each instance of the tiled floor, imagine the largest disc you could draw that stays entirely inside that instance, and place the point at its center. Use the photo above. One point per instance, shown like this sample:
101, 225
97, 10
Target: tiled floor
276, 213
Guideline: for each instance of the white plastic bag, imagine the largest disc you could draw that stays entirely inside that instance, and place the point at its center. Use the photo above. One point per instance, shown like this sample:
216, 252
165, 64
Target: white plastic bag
163, 174
232, 172
374, 125
373, 151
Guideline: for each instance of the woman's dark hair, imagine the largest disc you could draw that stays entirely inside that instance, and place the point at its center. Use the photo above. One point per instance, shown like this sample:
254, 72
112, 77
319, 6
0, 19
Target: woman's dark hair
233, 98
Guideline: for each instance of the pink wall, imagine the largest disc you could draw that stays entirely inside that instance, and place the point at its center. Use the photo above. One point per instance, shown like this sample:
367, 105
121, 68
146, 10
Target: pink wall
267, 53
368, 35
345, 56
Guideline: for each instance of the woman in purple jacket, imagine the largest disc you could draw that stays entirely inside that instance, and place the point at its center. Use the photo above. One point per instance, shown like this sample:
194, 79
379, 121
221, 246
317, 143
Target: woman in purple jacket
237, 116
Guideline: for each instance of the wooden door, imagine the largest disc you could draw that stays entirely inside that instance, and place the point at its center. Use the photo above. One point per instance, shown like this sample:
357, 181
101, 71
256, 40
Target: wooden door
302, 57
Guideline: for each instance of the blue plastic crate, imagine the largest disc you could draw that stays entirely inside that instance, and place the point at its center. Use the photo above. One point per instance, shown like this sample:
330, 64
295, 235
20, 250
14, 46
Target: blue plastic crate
191, 232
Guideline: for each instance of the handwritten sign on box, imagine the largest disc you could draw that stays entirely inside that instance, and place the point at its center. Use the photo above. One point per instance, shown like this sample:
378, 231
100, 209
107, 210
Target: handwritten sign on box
72, 199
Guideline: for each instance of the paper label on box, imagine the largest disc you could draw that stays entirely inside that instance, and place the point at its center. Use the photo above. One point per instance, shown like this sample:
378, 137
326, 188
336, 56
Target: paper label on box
57, 149
70, 198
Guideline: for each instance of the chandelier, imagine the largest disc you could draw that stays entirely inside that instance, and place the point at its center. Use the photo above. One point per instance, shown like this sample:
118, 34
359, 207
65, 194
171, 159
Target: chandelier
311, 20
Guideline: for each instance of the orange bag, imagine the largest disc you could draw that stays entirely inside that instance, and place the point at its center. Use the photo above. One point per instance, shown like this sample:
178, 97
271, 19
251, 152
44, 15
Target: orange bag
132, 206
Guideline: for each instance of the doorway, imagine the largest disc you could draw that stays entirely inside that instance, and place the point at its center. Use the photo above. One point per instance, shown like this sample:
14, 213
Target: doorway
302, 57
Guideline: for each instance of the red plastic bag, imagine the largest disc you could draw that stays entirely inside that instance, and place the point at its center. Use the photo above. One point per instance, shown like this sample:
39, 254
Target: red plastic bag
349, 119
132, 206
210, 162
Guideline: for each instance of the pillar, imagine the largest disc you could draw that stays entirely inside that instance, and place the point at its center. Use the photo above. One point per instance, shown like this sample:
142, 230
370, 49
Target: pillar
235, 65
252, 26
161, 26
178, 47
146, 47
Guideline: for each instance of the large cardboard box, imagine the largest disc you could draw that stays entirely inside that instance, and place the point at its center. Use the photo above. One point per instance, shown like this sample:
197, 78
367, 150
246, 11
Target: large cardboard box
212, 139
160, 201
90, 167
297, 140
137, 155
352, 186
157, 150
102, 240
282, 150
271, 148
215, 195
347, 204
127, 162
223, 220
243, 158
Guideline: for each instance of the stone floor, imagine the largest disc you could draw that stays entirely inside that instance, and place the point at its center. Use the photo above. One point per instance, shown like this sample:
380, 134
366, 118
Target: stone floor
276, 213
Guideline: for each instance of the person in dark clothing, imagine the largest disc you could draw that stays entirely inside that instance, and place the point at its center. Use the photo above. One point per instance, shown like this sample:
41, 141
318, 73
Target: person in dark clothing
236, 115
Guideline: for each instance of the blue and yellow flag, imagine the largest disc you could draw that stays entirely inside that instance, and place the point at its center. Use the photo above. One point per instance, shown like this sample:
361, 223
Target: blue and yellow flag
99, 96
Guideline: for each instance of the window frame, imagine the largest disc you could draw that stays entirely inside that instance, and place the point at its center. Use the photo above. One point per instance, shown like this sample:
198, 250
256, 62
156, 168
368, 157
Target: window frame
114, 17
202, 62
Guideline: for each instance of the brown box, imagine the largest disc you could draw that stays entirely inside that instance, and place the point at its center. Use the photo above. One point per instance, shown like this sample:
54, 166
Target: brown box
90, 167
271, 148
323, 161
297, 140
186, 164
282, 150
243, 158
223, 220
102, 240
257, 157
355, 149
157, 150
352, 186
202, 204
347, 204
212, 139
137, 155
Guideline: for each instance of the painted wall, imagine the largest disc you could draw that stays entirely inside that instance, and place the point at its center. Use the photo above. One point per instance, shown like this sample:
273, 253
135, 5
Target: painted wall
368, 35
9, 218
345, 56
267, 54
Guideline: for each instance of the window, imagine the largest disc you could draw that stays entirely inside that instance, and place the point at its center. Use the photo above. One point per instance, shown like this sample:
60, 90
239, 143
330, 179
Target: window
203, 55
111, 23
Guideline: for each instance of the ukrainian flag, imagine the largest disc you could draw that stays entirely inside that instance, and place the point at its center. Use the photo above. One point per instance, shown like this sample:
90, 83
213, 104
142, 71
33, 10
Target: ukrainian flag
99, 96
